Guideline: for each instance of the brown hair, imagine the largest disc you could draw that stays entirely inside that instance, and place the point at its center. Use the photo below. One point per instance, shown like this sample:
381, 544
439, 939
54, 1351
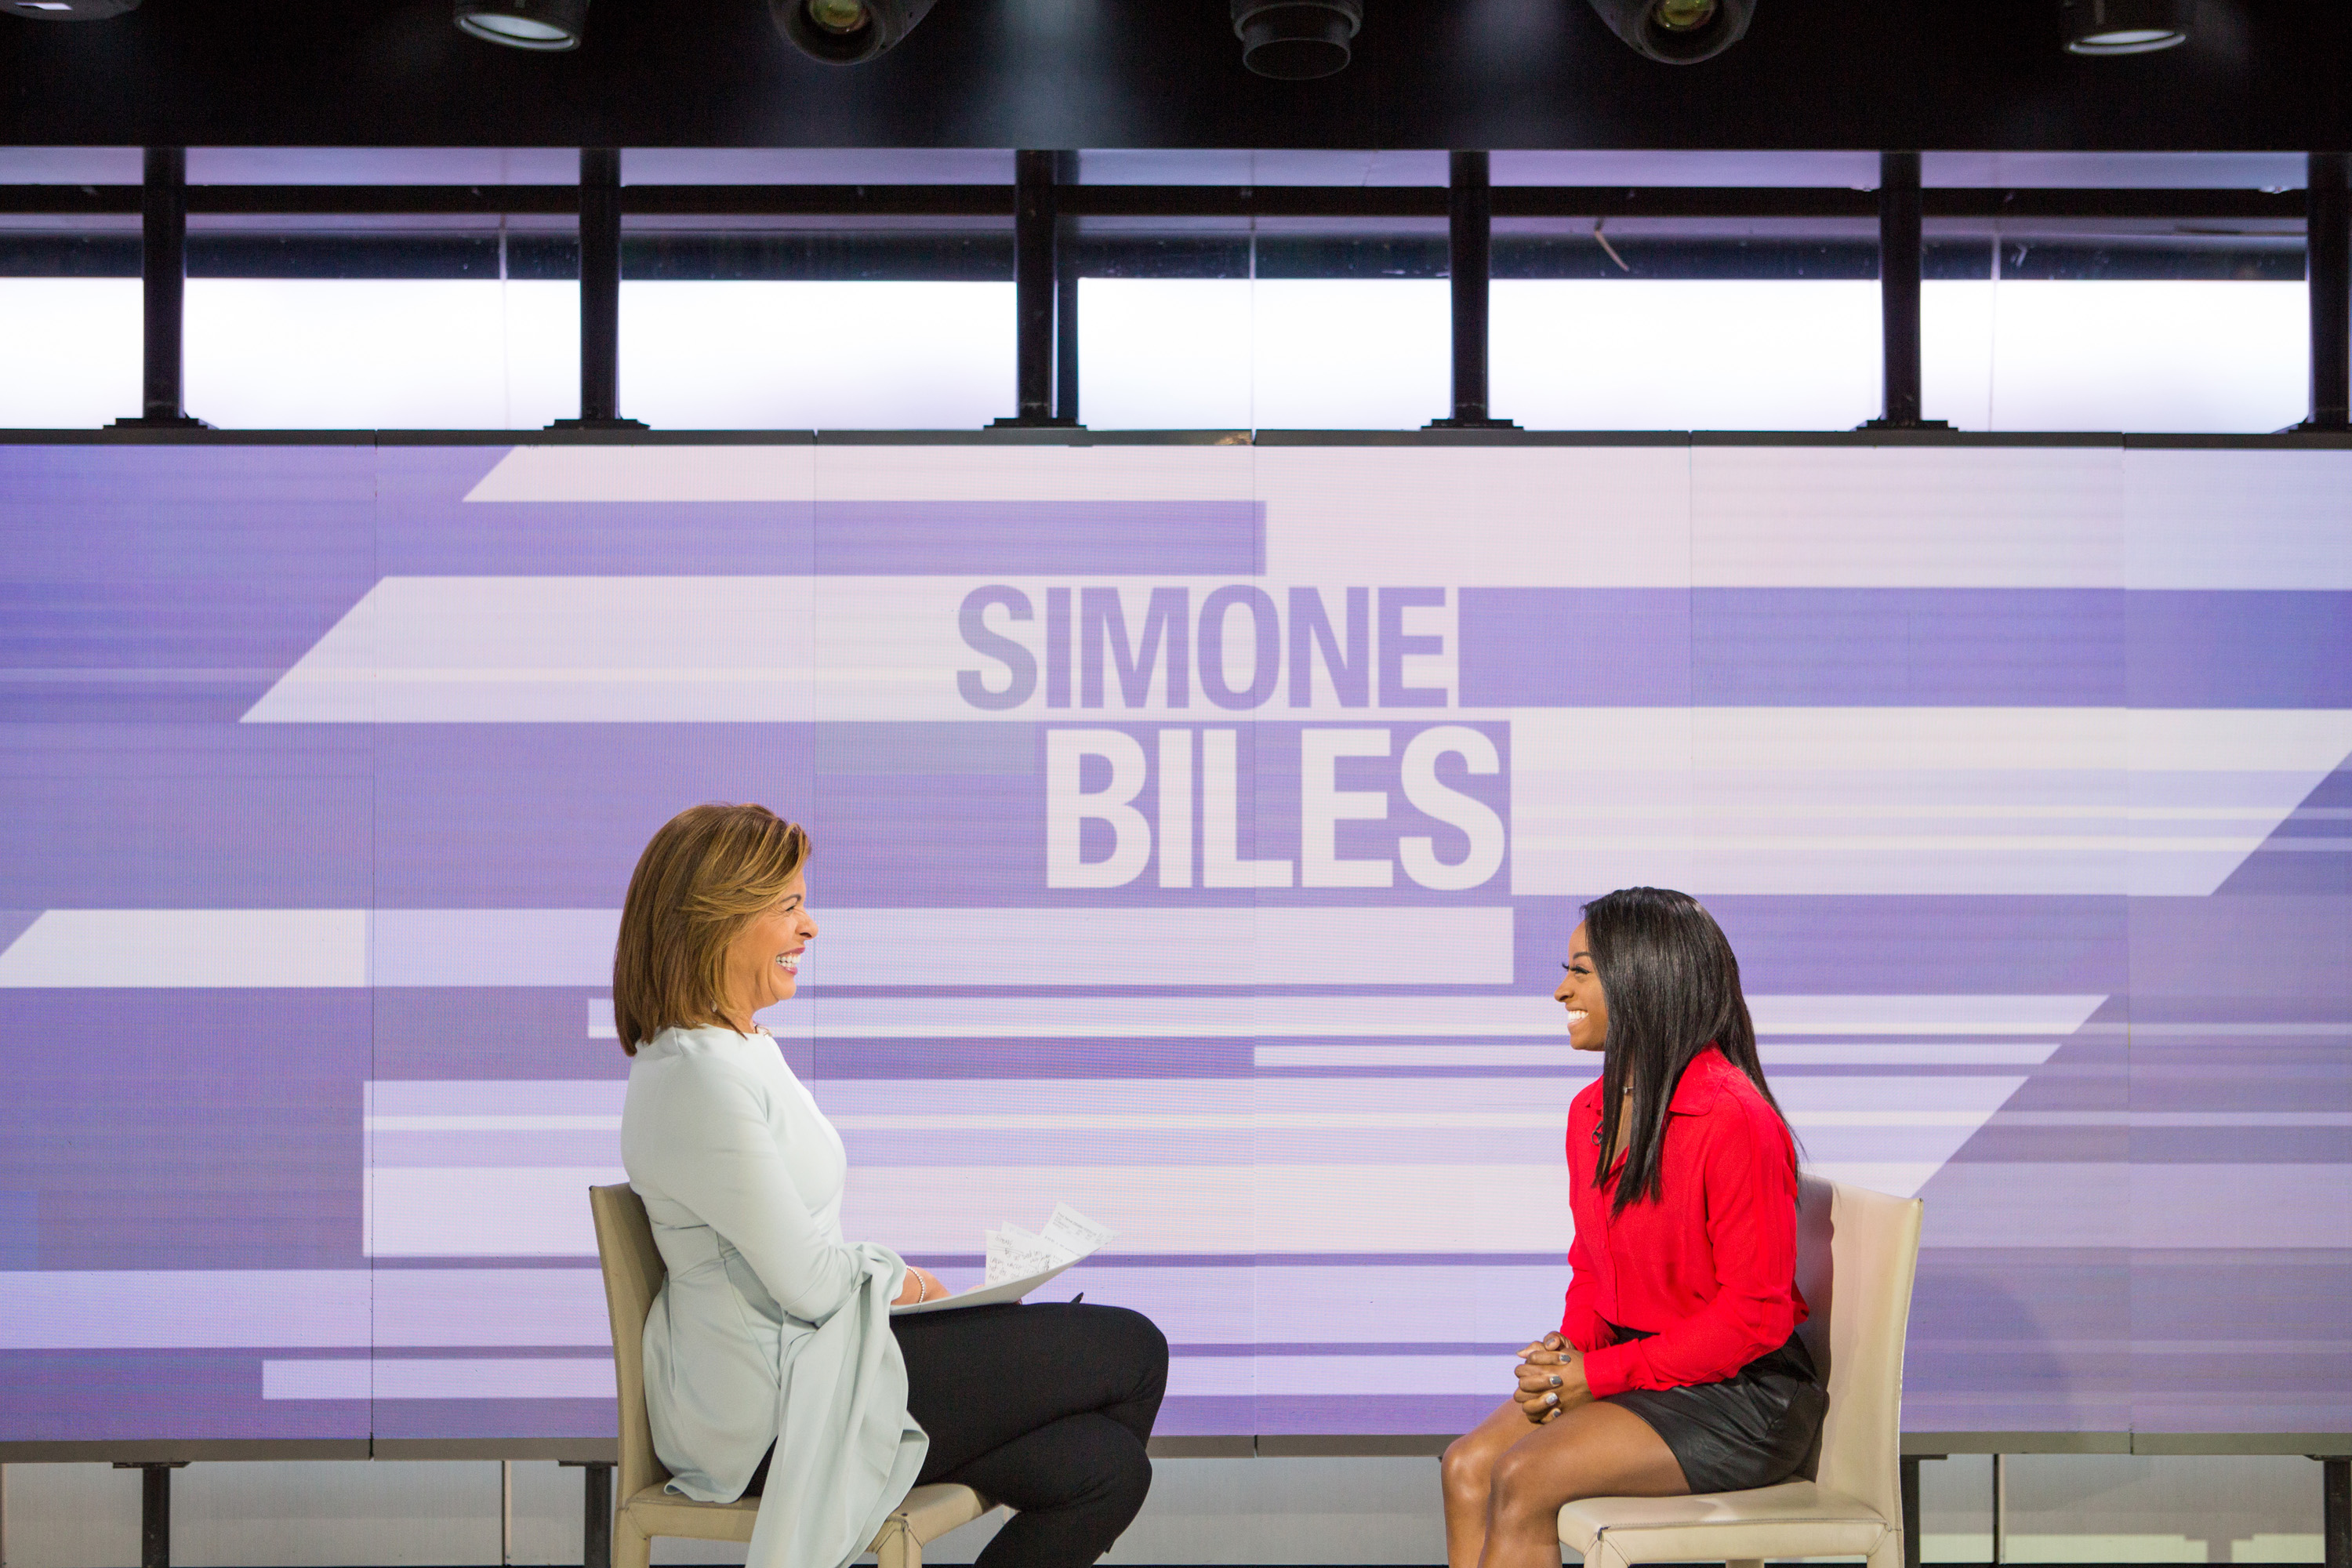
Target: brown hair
700, 881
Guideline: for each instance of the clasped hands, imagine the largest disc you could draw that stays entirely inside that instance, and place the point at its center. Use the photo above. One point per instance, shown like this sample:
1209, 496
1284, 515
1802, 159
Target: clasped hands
1551, 1379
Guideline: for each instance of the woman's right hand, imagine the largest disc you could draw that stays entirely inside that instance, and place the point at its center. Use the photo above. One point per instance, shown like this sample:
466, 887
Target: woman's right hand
922, 1285
1547, 1370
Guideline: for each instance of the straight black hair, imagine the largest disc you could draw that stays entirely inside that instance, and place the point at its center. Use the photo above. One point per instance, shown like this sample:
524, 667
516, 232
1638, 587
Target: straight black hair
1673, 989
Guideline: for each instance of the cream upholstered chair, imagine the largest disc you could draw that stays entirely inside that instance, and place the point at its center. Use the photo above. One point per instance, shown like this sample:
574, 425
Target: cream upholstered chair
1856, 1253
633, 1273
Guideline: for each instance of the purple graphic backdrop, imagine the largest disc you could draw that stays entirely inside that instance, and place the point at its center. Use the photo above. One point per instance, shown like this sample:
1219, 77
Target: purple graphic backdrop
1197, 835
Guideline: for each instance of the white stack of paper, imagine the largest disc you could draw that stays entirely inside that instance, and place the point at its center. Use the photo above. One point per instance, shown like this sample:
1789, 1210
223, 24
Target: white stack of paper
1021, 1260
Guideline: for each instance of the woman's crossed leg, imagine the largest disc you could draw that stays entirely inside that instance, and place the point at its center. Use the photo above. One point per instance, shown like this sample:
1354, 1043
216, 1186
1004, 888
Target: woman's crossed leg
1507, 1479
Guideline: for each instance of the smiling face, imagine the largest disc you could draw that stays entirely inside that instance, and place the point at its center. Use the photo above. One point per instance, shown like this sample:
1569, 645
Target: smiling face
1579, 992
763, 962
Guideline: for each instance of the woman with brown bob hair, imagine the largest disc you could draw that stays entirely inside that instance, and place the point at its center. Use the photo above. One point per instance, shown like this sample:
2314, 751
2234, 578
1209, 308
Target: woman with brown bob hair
772, 1363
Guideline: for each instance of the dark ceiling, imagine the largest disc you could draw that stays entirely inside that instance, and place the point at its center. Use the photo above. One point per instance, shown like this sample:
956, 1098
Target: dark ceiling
1926, 74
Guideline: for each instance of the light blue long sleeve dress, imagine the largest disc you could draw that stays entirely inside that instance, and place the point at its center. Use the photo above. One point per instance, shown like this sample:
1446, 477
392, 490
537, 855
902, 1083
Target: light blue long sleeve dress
770, 1328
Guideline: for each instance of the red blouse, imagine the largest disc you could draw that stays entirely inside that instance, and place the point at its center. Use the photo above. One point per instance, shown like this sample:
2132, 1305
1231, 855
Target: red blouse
1710, 1269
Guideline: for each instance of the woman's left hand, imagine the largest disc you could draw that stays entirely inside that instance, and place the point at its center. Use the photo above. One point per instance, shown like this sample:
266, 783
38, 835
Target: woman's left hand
920, 1285
1551, 1379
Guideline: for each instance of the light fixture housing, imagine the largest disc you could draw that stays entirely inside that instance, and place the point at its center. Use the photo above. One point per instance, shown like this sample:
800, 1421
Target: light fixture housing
67, 10
2126, 26
1297, 41
1677, 32
847, 32
547, 27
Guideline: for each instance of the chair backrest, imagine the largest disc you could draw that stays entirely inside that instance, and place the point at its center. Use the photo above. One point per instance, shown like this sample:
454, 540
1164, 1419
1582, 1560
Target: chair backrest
1857, 1251
633, 1271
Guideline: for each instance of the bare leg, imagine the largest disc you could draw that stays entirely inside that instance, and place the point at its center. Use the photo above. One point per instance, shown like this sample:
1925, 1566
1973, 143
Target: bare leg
1467, 1470
1594, 1450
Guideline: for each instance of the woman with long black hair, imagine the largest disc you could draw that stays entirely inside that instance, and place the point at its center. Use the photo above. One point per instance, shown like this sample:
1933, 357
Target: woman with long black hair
1676, 1367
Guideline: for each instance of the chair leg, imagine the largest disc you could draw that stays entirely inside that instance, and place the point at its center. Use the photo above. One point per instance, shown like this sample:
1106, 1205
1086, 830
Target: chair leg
632, 1547
1604, 1553
1743, 1562
897, 1547
1888, 1552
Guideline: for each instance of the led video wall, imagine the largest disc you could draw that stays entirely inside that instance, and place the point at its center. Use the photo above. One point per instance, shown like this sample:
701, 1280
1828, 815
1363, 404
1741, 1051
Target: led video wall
1198, 830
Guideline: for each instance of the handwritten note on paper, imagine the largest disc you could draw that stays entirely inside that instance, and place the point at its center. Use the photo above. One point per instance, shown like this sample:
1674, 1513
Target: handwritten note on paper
1020, 1260
1014, 1254
1073, 1232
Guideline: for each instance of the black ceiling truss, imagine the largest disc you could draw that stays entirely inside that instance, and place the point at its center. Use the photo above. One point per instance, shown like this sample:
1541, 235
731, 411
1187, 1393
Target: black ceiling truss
1173, 202
1044, 215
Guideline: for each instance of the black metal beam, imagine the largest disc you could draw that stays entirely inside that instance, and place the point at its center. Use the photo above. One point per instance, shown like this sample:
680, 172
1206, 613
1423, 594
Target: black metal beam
154, 1508
1065, 342
1469, 262
1239, 203
163, 286
596, 1517
163, 282
596, 1510
600, 284
1035, 247
1035, 222
156, 1516
2335, 1491
1910, 1468
2327, 279
1899, 249
1910, 1485
600, 294
1066, 303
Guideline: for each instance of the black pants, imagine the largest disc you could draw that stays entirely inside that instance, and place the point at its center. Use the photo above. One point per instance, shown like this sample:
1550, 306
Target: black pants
1045, 1408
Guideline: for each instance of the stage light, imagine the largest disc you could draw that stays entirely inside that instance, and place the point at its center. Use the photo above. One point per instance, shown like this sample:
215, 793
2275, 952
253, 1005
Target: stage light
2126, 26
1297, 40
1677, 32
847, 32
67, 10
544, 25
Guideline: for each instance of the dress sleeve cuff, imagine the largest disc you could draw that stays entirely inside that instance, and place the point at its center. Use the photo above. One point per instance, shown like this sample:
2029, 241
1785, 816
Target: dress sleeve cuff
1608, 1370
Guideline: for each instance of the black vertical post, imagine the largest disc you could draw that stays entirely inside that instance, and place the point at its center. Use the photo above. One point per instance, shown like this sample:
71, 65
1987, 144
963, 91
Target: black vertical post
163, 279
2327, 274
156, 1516
600, 293
596, 1513
2336, 1486
163, 268
1899, 246
1469, 255
1066, 345
600, 284
1035, 218
154, 1508
1066, 305
1911, 1509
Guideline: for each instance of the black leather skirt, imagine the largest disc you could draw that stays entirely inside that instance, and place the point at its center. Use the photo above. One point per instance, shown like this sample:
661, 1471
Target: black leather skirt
1761, 1426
